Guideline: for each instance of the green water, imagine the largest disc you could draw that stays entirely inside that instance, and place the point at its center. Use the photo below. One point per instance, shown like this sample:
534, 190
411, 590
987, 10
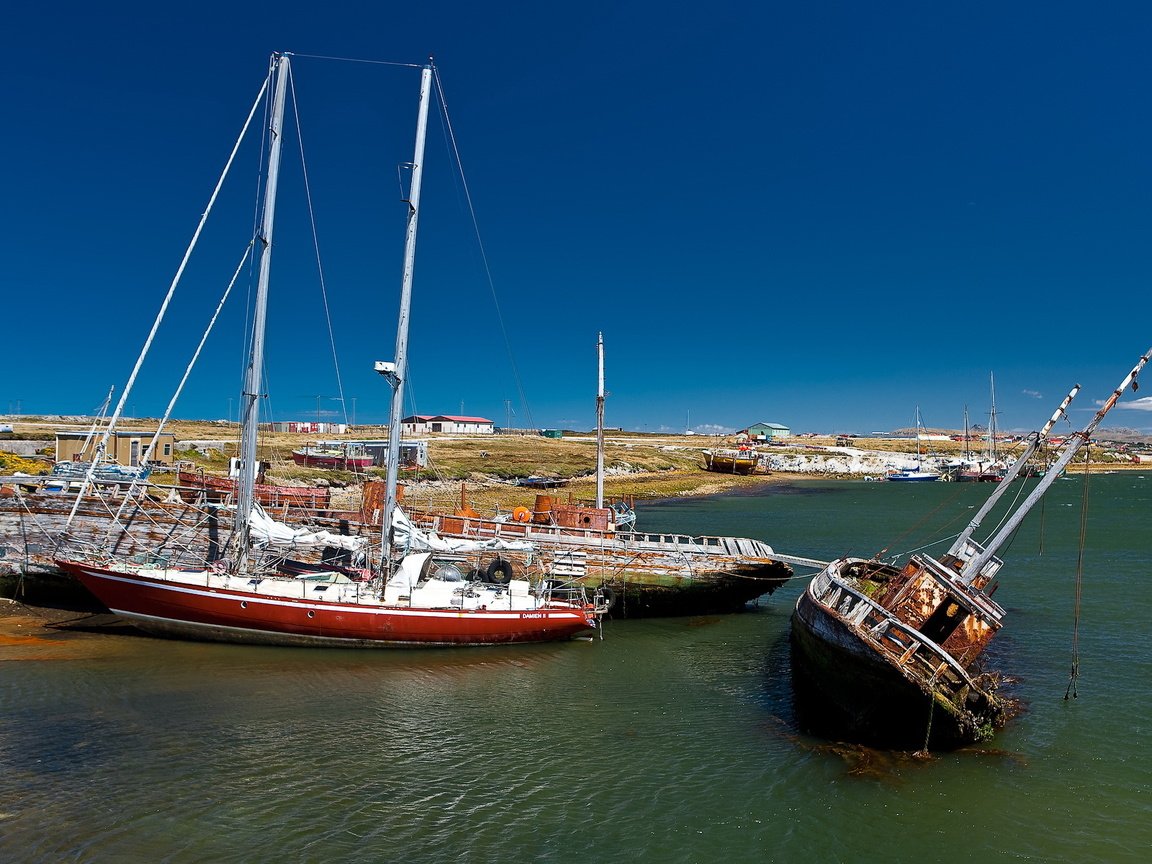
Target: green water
669, 740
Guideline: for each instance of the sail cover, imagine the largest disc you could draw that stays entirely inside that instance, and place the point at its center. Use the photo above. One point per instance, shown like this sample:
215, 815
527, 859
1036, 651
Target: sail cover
407, 536
267, 532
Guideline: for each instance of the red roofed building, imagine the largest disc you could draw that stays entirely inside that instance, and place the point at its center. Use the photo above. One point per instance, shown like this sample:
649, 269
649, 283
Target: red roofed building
428, 424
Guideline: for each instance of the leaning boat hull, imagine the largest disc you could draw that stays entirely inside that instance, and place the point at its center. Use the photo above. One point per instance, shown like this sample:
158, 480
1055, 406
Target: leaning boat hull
706, 592
850, 689
225, 615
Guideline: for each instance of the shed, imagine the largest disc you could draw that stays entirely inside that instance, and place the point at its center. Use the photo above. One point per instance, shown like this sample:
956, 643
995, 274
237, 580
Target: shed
124, 447
767, 431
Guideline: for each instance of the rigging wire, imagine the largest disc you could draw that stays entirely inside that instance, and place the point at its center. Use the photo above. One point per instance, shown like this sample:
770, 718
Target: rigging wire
1075, 671
316, 248
358, 60
917, 526
151, 448
162, 312
455, 150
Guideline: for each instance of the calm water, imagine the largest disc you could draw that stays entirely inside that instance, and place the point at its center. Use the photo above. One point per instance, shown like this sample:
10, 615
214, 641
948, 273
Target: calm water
669, 740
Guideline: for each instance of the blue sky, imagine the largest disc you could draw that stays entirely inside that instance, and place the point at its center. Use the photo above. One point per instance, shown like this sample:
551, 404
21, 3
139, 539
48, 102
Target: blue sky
821, 214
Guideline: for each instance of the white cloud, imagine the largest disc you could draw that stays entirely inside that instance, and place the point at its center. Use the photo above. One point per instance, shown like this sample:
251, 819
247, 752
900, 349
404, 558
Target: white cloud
1034, 394
1143, 404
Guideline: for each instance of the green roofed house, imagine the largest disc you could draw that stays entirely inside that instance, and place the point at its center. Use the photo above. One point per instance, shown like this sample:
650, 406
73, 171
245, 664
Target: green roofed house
767, 431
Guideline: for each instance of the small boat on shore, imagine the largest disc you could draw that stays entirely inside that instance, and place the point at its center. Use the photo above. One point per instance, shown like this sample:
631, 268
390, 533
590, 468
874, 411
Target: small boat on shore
336, 456
731, 461
889, 654
195, 484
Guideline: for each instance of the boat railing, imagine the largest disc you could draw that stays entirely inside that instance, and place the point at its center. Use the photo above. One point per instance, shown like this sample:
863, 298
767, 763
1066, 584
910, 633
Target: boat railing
741, 547
905, 643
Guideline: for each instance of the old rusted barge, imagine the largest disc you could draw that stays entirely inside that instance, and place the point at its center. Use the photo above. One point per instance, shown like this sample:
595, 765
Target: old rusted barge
646, 575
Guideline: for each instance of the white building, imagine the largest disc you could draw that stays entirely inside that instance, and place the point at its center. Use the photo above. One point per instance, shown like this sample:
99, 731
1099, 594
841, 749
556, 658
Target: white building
428, 424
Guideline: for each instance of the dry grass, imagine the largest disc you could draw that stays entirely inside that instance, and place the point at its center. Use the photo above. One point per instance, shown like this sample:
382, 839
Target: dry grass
486, 468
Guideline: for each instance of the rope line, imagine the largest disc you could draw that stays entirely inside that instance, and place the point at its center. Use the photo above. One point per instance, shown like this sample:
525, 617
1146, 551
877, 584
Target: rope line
316, 249
455, 150
1075, 671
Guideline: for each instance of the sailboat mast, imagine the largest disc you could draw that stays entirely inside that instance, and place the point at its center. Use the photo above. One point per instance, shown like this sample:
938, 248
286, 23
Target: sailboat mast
918, 425
400, 372
992, 420
1003, 485
1079, 439
600, 422
250, 398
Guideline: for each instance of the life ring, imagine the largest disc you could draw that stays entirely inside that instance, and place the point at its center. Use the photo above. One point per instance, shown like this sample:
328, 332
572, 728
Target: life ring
500, 571
522, 514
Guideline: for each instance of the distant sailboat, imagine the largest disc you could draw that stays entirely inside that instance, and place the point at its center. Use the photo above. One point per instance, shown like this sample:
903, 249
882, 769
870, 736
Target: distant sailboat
916, 474
990, 468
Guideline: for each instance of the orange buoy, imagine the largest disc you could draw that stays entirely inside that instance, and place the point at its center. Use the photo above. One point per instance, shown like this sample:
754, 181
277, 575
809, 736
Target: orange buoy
521, 514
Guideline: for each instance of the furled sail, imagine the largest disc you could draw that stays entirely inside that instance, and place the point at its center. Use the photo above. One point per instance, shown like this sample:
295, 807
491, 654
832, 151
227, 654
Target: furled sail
407, 536
268, 533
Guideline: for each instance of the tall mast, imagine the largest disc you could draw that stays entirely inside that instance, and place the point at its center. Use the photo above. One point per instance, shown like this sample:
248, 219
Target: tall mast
600, 422
250, 398
917, 437
1078, 440
1038, 438
397, 371
992, 419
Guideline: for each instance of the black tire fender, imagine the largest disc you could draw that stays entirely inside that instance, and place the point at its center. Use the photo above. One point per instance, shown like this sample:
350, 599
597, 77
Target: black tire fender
500, 571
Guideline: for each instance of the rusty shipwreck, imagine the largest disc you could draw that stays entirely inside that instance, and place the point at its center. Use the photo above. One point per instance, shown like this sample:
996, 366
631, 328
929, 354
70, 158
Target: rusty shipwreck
889, 655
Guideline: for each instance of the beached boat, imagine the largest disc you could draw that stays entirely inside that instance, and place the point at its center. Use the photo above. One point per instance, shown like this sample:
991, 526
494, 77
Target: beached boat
197, 485
889, 654
742, 461
336, 456
257, 590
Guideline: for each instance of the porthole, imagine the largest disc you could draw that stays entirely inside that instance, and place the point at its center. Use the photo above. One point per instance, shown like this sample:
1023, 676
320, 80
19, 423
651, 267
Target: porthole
243, 604
311, 613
